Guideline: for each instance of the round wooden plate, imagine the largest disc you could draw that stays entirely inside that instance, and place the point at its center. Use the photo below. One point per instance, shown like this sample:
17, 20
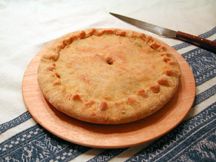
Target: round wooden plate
108, 136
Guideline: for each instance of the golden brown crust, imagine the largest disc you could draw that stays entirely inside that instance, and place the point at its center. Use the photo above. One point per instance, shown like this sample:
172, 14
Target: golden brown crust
108, 76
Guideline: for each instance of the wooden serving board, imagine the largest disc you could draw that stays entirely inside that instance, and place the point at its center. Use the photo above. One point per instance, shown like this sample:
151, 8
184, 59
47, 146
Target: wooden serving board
108, 136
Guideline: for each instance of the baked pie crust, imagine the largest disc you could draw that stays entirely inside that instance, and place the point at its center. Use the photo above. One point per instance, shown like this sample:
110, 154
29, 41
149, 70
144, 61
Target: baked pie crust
108, 76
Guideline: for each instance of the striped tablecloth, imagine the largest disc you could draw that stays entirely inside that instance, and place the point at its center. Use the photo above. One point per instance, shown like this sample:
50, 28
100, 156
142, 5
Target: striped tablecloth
26, 25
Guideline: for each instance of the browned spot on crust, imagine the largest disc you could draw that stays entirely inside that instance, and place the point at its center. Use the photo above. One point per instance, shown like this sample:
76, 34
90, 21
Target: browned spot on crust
108, 31
90, 32
120, 33
90, 103
123, 111
142, 93
103, 106
134, 35
163, 82
82, 34
99, 33
67, 41
131, 101
109, 60
172, 63
77, 97
57, 75
73, 38
171, 73
155, 88
53, 56
155, 45
166, 59
162, 49
166, 54
149, 40
60, 46
143, 37
57, 82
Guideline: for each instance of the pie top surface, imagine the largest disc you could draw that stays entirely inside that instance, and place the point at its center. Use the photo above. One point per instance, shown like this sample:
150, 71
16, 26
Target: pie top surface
108, 76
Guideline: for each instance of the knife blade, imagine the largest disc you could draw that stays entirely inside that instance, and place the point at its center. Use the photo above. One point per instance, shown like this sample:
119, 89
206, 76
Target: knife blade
161, 31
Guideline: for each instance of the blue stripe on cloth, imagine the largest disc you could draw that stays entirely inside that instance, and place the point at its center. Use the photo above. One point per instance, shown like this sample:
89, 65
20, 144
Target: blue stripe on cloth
181, 137
204, 35
106, 155
200, 150
12, 123
36, 144
197, 137
205, 95
18, 120
203, 64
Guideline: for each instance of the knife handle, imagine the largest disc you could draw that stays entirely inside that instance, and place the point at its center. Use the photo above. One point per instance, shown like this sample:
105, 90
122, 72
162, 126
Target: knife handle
198, 41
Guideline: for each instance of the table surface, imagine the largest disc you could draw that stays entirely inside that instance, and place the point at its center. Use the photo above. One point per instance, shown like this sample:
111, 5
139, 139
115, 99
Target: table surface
25, 26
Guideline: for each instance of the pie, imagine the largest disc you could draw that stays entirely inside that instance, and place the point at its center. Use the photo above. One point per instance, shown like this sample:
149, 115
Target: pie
108, 76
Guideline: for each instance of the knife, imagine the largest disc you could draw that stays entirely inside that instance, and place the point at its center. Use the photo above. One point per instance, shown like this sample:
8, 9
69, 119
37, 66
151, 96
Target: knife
192, 39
